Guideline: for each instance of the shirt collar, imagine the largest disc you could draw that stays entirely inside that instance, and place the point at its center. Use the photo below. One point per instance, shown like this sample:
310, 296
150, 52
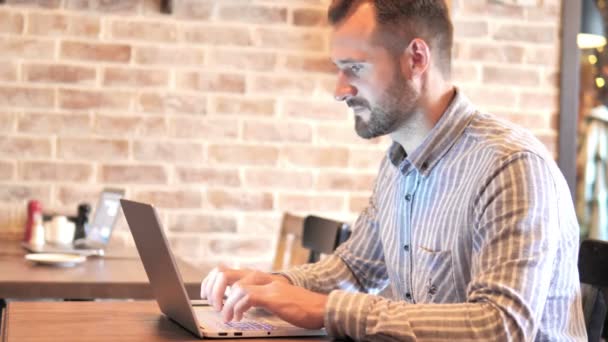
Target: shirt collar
438, 142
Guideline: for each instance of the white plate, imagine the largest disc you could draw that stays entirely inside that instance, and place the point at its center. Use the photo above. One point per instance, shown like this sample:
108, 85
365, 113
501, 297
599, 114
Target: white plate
56, 259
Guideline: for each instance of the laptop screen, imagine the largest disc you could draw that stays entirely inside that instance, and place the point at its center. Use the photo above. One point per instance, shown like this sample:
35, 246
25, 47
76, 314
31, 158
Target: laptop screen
100, 228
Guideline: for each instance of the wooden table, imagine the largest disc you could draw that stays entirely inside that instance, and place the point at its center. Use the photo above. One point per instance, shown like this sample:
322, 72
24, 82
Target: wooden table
107, 277
96, 321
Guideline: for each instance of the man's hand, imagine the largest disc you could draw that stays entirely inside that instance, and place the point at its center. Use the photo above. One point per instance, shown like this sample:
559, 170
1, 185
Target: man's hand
214, 285
293, 304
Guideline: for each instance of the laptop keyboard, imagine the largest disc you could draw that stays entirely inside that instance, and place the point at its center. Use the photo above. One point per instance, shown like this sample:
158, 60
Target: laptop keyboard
251, 322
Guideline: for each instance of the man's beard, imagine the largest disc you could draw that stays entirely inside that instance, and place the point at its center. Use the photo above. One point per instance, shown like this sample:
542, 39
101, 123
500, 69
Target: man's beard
395, 107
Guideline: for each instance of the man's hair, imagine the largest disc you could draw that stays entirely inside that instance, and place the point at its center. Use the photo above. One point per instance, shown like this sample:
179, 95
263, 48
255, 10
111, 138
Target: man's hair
409, 19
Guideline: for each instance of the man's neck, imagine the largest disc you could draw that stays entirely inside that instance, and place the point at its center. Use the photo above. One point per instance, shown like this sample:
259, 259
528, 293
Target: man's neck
432, 107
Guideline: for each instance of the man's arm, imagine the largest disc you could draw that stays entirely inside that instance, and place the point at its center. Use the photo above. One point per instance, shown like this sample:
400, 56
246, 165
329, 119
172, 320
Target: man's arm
518, 233
366, 269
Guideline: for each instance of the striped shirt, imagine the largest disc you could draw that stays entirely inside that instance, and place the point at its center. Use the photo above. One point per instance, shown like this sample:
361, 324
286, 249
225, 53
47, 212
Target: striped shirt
474, 231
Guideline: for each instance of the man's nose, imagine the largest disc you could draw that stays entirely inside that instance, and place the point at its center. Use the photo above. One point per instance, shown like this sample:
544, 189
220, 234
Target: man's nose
344, 90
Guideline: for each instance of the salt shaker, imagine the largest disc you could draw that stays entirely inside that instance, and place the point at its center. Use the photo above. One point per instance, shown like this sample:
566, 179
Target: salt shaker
38, 235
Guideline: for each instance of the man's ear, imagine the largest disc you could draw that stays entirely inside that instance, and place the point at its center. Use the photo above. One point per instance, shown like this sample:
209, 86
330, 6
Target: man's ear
416, 58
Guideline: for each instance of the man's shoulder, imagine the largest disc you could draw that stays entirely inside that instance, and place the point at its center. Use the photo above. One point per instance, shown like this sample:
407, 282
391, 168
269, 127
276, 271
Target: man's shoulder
504, 139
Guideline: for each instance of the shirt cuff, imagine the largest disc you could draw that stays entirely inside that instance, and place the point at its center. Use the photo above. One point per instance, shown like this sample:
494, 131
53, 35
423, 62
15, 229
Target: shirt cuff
295, 276
346, 314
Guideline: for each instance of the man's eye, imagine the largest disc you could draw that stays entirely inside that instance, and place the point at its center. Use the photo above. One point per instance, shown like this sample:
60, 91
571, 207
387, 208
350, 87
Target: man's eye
355, 69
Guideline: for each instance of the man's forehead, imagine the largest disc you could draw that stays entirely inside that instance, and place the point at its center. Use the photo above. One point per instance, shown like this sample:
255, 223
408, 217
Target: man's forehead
356, 30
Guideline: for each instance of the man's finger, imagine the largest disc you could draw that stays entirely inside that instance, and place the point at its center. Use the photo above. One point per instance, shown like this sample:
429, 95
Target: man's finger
209, 285
217, 292
203, 287
228, 310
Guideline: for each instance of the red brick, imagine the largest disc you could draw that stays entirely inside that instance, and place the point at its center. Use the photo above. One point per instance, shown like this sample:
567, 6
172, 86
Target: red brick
547, 13
365, 159
279, 132
173, 56
466, 73
188, 247
315, 110
511, 76
485, 97
155, 150
345, 181
129, 125
92, 149
300, 86
315, 156
25, 48
117, 53
8, 122
56, 172
249, 247
357, 204
526, 33
15, 193
309, 17
133, 174
69, 196
310, 203
193, 9
242, 60
54, 73
172, 103
310, 64
217, 35
470, 28
8, 71
544, 56
7, 170
202, 223
290, 40
260, 223
246, 201
27, 97
498, 9
105, 6
343, 133
143, 31
207, 176
249, 14
128, 77
244, 155
35, 3
171, 199
53, 24
203, 127
11, 22
538, 101
273, 179
242, 106
52, 123
211, 82
495, 53
110, 100
21, 147
549, 140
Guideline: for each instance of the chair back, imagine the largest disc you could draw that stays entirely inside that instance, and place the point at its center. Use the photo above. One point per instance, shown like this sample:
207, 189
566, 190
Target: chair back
592, 264
303, 240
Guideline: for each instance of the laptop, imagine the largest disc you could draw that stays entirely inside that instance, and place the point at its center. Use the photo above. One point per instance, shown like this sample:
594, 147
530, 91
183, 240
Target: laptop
169, 291
97, 232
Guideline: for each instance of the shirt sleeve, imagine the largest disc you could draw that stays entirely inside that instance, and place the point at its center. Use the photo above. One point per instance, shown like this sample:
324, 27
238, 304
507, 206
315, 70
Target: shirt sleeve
356, 265
516, 239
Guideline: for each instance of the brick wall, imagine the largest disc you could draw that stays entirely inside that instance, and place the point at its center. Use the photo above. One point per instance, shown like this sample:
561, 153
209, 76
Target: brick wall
221, 114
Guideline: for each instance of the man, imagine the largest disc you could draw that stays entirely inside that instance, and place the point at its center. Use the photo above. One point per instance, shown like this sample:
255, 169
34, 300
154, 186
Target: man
470, 222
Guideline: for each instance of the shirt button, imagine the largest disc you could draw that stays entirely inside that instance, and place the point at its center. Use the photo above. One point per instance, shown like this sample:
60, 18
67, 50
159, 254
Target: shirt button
408, 295
406, 248
408, 197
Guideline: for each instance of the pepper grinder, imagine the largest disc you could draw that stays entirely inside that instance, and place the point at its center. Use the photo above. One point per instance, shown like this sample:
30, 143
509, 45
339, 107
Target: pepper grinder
81, 220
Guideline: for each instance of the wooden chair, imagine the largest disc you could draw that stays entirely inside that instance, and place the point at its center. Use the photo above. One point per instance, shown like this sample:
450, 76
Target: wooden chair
592, 264
303, 240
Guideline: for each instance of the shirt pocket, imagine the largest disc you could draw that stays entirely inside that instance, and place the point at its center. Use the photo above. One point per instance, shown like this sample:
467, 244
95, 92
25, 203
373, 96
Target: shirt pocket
433, 277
